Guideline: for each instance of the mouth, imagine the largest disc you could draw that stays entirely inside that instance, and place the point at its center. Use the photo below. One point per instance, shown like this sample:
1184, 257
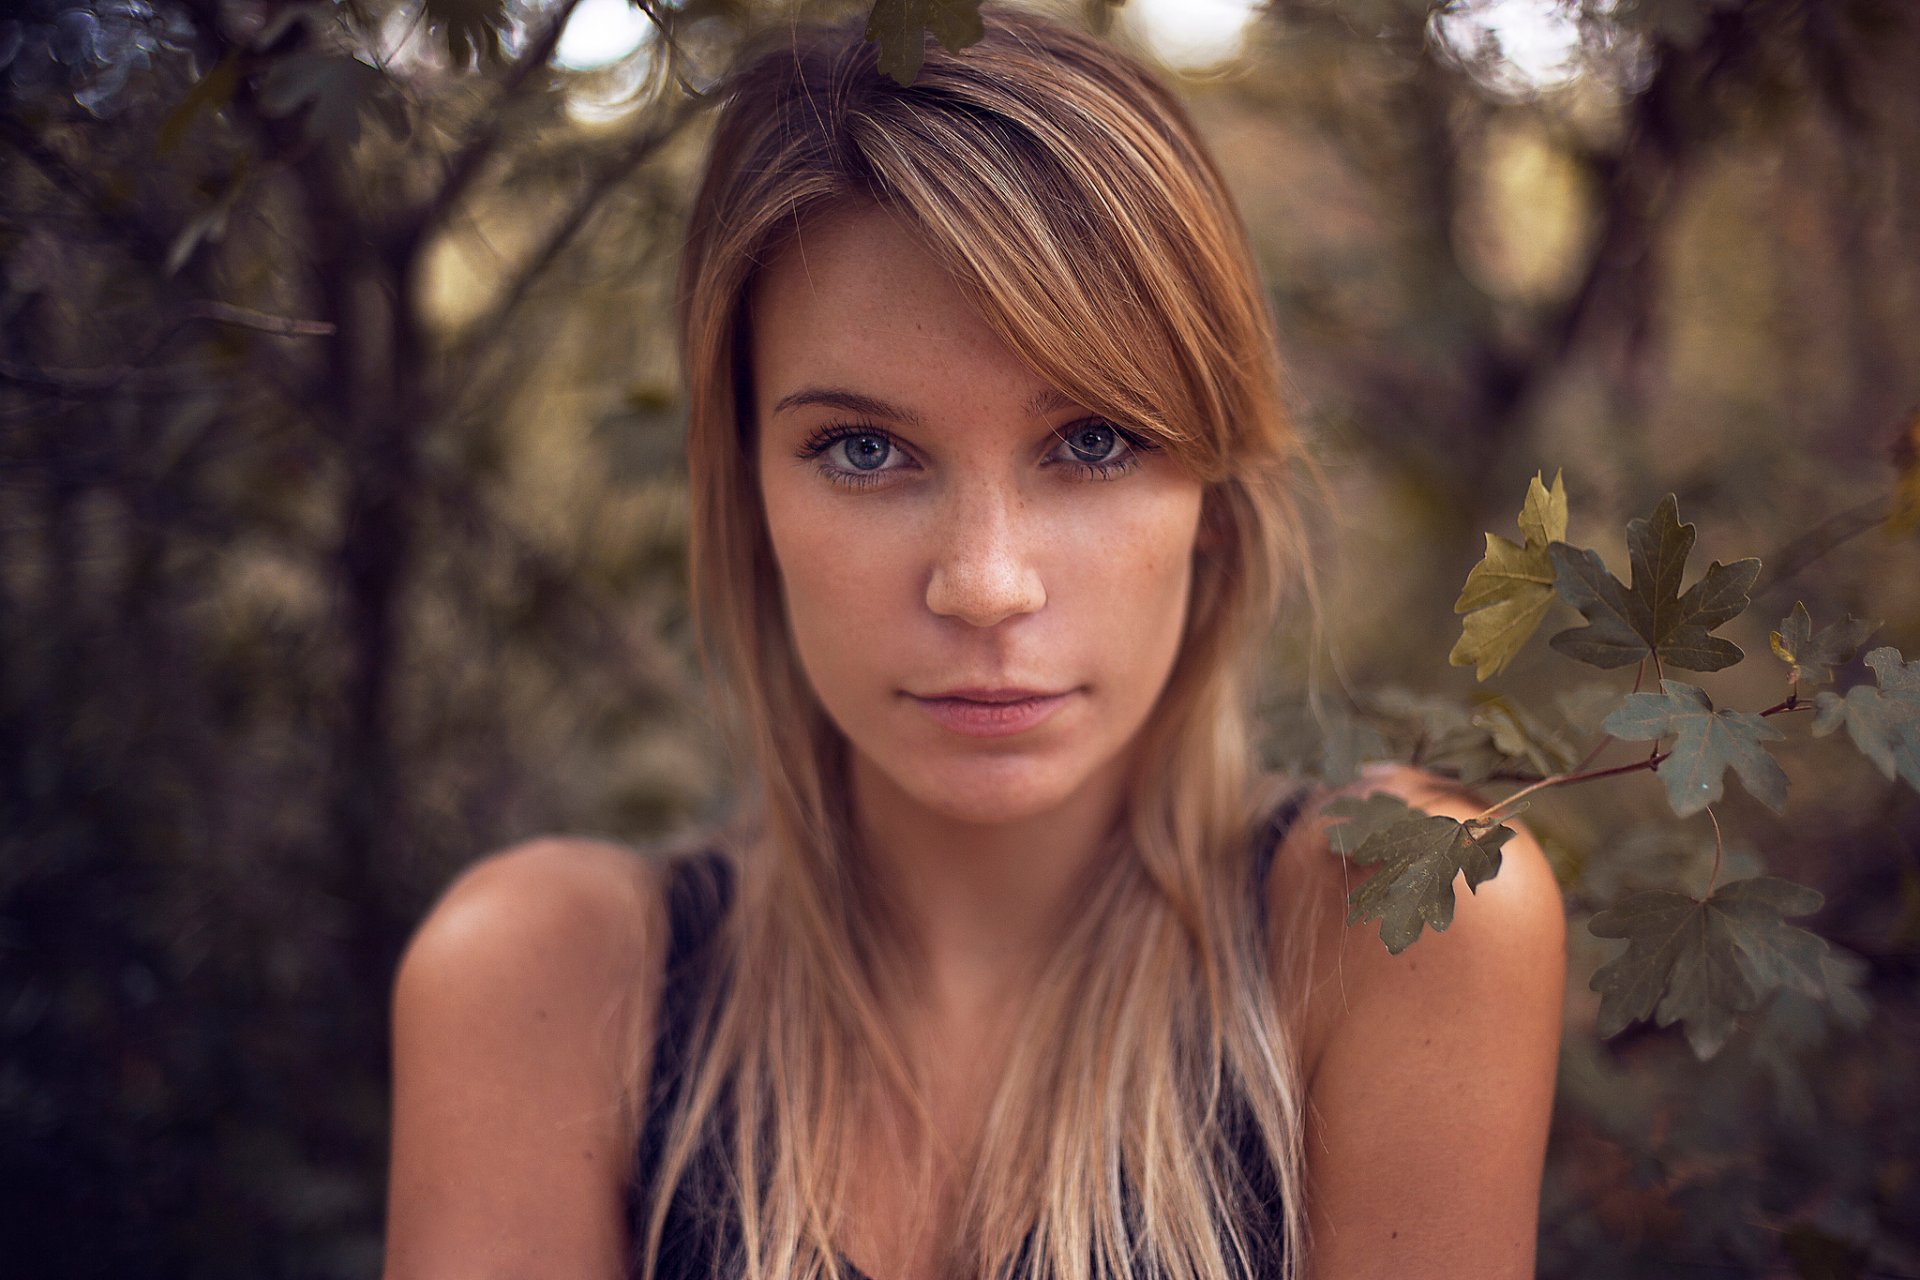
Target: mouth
996, 695
992, 713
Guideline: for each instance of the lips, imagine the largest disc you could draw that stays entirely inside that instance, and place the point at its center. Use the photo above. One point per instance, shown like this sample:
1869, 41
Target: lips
992, 712
998, 693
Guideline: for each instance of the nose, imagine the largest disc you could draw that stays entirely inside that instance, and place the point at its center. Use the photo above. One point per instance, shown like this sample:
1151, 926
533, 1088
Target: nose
983, 570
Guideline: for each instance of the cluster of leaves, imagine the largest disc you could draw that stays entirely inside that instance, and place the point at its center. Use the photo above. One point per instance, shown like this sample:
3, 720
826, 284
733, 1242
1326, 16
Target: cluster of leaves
1698, 961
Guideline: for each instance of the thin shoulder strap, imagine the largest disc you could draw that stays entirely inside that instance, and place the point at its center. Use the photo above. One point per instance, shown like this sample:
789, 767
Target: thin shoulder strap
699, 889
1273, 832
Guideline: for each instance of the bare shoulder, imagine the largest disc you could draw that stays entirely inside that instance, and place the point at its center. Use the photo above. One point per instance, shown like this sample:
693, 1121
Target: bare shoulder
554, 928
1513, 926
1440, 1058
517, 1009
565, 897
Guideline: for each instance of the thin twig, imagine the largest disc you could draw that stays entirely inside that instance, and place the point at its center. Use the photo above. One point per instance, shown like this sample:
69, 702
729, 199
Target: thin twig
265, 322
134, 375
1568, 779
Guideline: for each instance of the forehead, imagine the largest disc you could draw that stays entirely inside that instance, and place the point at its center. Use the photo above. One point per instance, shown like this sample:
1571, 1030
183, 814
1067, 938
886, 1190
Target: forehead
856, 299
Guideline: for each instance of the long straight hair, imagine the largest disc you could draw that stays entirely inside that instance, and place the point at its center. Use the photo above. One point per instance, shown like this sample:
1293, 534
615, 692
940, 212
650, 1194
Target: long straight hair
1068, 193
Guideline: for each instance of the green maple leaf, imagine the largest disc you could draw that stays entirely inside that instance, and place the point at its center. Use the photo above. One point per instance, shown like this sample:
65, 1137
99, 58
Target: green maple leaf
1813, 657
1706, 744
1420, 854
1508, 592
899, 28
1652, 617
1883, 722
1701, 963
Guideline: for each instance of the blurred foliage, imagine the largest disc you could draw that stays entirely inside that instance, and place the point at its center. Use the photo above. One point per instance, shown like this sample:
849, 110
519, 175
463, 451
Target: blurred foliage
342, 538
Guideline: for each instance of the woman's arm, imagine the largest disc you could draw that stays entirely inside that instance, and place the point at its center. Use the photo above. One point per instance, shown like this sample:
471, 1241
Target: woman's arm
1431, 1075
510, 1151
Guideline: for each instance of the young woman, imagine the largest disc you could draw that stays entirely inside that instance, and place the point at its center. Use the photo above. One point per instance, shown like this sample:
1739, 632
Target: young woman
1013, 963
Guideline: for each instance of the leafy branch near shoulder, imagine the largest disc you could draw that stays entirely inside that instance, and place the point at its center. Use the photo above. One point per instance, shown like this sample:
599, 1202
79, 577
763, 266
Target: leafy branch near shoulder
1653, 620
1698, 961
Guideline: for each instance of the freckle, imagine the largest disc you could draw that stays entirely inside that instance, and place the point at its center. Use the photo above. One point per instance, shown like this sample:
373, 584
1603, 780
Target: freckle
1394, 1236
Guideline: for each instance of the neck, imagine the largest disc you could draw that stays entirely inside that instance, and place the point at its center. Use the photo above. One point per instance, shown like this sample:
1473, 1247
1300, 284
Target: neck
979, 906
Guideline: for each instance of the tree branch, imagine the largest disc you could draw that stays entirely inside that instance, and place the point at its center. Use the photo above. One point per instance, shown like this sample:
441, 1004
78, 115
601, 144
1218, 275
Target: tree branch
465, 166
568, 228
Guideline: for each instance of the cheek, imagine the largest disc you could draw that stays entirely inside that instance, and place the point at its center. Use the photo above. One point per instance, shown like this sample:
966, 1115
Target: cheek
1141, 587
841, 588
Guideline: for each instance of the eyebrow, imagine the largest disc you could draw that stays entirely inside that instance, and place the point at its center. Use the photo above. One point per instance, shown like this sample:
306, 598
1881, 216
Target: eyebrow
1046, 401
851, 401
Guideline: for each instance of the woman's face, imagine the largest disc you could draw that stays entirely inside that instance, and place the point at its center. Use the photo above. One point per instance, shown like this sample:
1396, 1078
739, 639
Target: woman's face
946, 524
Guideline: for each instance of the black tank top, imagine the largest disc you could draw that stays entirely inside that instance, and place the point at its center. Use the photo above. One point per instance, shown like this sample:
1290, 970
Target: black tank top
701, 1238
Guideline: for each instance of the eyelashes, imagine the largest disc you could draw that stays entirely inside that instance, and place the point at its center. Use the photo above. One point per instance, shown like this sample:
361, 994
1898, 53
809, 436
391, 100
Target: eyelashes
1073, 438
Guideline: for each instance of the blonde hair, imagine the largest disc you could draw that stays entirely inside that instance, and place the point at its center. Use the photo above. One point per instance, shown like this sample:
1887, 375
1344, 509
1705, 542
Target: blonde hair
1070, 195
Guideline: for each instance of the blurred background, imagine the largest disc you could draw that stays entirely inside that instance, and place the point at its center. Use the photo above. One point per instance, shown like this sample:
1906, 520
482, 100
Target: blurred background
342, 537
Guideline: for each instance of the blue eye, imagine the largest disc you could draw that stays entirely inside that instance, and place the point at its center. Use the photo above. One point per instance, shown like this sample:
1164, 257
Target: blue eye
1099, 439
863, 459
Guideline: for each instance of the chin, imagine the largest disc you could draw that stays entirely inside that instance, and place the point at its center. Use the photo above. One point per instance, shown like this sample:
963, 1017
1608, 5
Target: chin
990, 792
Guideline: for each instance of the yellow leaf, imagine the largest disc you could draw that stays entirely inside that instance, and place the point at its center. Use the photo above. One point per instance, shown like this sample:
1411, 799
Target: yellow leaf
1507, 593
1543, 518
